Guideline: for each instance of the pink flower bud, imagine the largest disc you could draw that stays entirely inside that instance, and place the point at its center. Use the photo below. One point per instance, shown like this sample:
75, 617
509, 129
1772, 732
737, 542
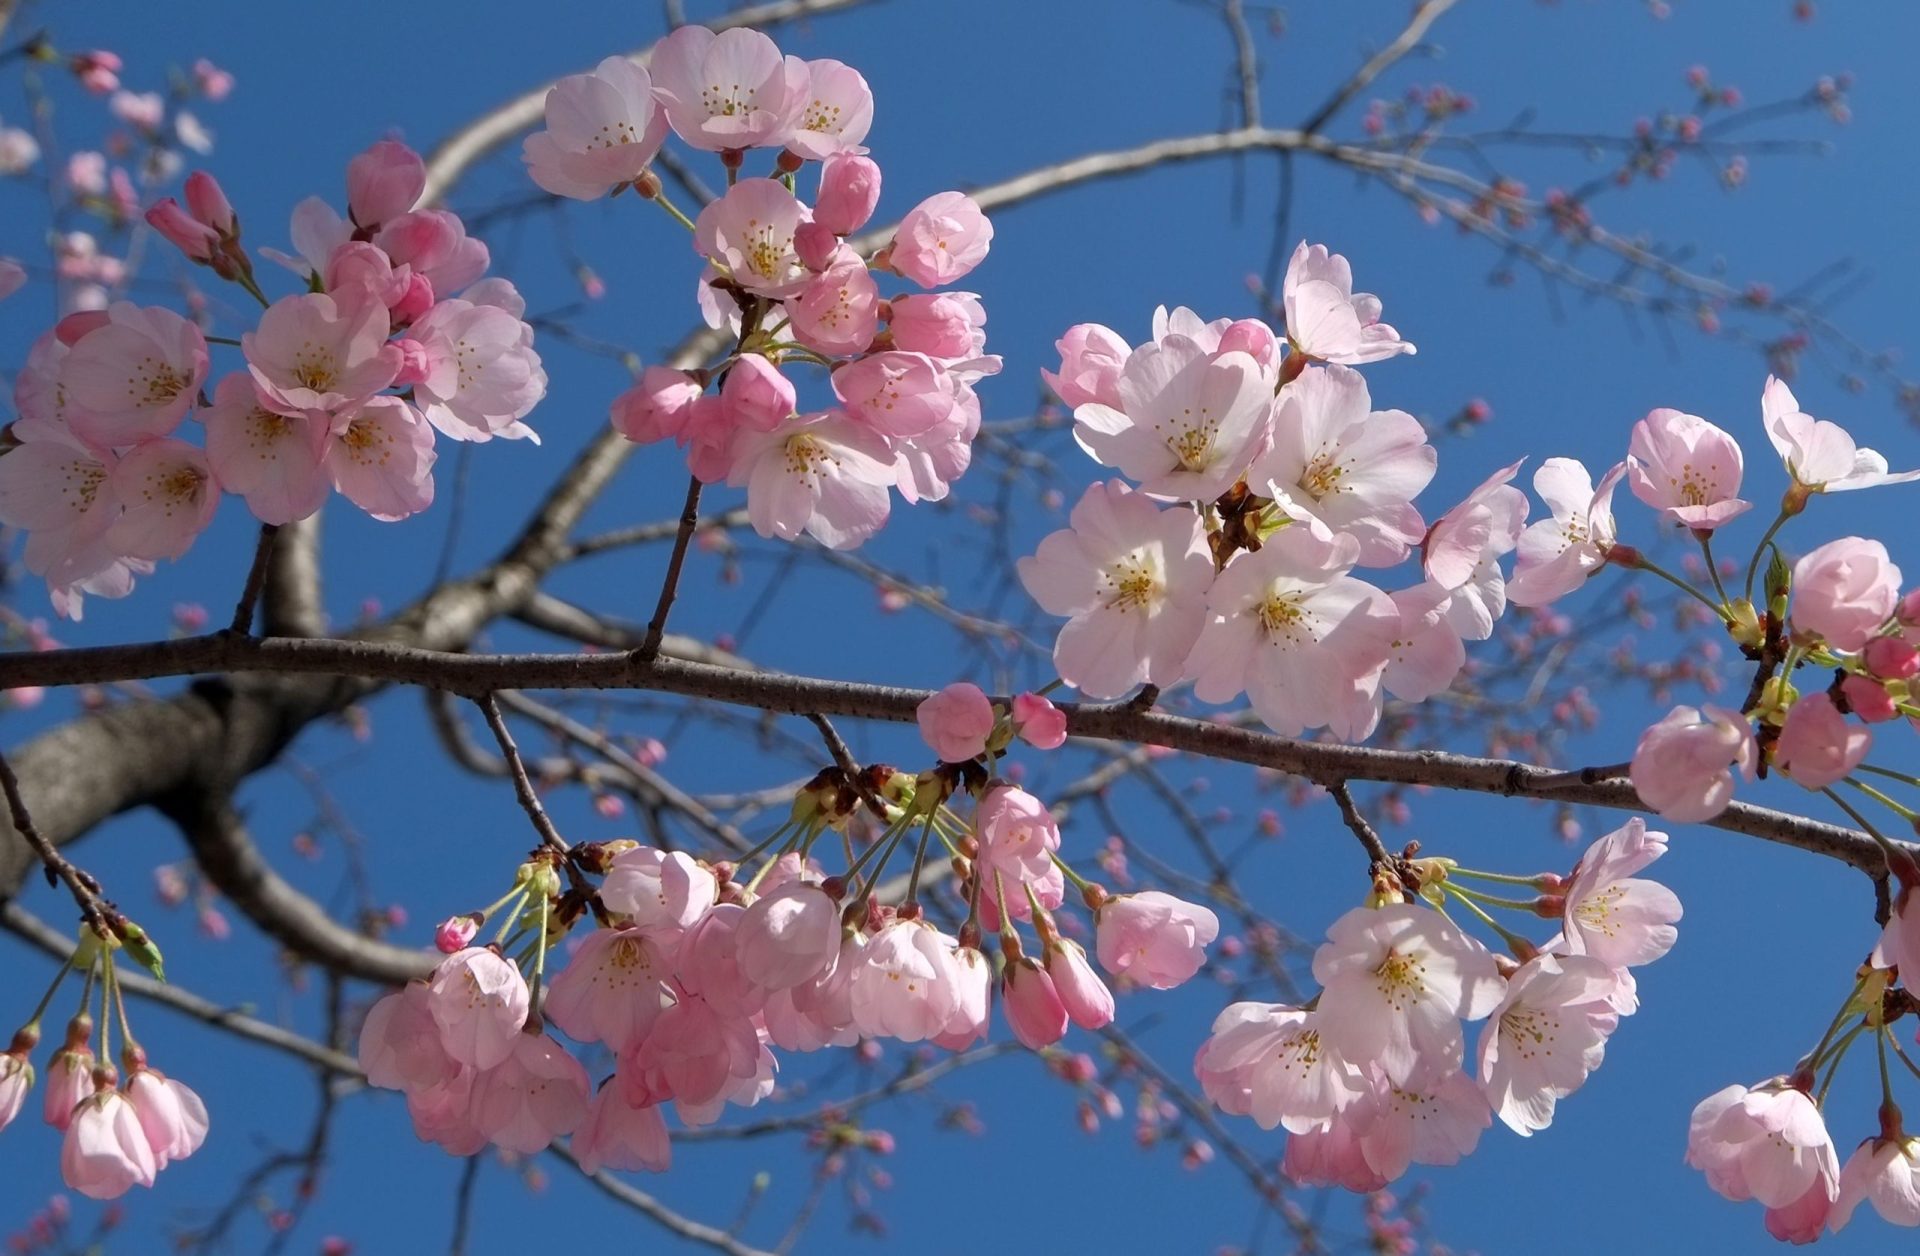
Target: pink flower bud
1088, 1002
1817, 746
657, 407
414, 301
384, 182
1033, 1008
1892, 658
455, 934
849, 190
1253, 338
208, 203
937, 324
195, 239
941, 239
1091, 358
1844, 591
414, 363
956, 721
756, 395
816, 245
1869, 699
1039, 723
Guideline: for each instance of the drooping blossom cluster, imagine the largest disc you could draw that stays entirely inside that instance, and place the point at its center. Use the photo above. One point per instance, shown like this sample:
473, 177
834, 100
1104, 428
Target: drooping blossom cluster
340, 387
1373, 1073
119, 1127
782, 277
691, 974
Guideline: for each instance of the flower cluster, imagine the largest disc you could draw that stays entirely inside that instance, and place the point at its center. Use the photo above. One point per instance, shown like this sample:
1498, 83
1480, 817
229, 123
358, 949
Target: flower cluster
117, 1131
1262, 476
1373, 1075
783, 278
690, 974
341, 387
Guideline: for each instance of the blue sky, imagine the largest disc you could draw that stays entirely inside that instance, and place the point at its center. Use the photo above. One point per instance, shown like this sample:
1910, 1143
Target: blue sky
967, 95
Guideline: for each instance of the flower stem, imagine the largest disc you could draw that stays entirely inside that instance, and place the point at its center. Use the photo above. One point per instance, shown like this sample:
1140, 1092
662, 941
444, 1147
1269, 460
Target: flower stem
1753, 566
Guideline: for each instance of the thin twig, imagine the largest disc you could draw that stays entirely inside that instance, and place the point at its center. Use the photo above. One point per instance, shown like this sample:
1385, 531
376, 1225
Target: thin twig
522, 784
1423, 17
657, 626
1370, 840
85, 890
256, 579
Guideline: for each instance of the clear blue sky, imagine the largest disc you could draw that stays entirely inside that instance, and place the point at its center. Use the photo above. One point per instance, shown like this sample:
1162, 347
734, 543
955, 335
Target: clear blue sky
968, 94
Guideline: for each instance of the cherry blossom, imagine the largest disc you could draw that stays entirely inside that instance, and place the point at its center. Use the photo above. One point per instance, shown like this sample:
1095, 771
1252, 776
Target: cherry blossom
1884, 1172
1686, 468
849, 192
1610, 914
602, 130
838, 311
895, 394
940, 240
1131, 578
729, 90
1398, 981
837, 113
400, 1046
16, 1079
1153, 939
1817, 746
1683, 767
536, 1094
1269, 1061
1092, 358
664, 892
906, 985
1435, 1119
480, 1001
1331, 1155
1327, 319
1462, 548
317, 357
1555, 556
106, 1151
1819, 455
167, 497
273, 460
171, 1115
382, 459
1031, 1005
618, 1135
383, 183
1546, 1035
1768, 1143
482, 375
656, 408
613, 987
1844, 591
822, 474
1337, 461
133, 376
1038, 722
789, 936
1189, 421
1289, 627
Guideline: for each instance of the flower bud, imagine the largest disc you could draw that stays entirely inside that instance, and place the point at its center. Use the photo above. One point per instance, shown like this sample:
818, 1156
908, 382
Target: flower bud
849, 191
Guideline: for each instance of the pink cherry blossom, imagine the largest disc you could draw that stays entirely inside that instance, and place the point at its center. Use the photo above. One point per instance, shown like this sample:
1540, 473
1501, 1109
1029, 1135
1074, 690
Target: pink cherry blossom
434, 244
1337, 461
535, 1095
1434, 1119
1189, 421
906, 985
612, 988
602, 130
383, 183
1555, 556
180, 229
13, 277
58, 491
1268, 1061
756, 394
728, 91
1132, 580
1398, 981
1092, 358
479, 1001
1818, 746
133, 376
838, 311
749, 232
1327, 319
821, 474
1018, 839
955, 722
1546, 1035
1299, 636
1683, 767
1330, 1155
1426, 652
1869, 699
849, 191
167, 497
208, 204
482, 375
1820, 456
1899, 944
694, 1054
896, 394
1038, 722
656, 408
69, 1079
837, 113
105, 1151
443, 1114
171, 1115
1844, 591
16, 1079
973, 1000
926, 466
1884, 1172
938, 324
1462, 549
400, 1046
371, 275
819, 1013
660, 891
1610, 914
940, 240
1031, 1005
382, 459
1153, 939
1767, 1143
1686, 468
1088, 1002
618, 1135
789, 936
270, 459
319, 357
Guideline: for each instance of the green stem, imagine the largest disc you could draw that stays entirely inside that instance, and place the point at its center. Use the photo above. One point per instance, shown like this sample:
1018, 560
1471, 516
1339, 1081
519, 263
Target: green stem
1753, 566
1492, 900
1645, 564
1902, 777
1892, 851
1839, 1053
1504, 878
1713, 570
1508, 936
660, 199
1833, 1026
1905, 813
